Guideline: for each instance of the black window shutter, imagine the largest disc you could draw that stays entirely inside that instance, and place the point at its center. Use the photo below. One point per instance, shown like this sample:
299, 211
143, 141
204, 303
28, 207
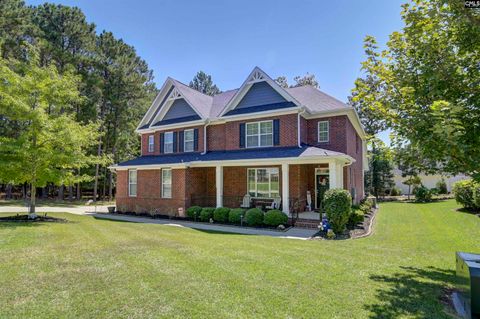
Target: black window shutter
276, 132
242, 135
195, 139
180, 141
161, 142
174, 142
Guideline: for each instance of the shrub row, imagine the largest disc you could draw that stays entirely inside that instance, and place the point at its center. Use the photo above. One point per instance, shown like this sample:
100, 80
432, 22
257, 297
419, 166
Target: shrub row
252, 217
467, 193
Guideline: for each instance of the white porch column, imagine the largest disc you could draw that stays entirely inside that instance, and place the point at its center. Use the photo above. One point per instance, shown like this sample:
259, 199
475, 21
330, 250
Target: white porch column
332, 174
285, 189
219, 184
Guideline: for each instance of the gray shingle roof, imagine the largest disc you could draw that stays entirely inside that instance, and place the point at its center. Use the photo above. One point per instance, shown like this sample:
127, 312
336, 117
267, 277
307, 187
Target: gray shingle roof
244, 154
315, 100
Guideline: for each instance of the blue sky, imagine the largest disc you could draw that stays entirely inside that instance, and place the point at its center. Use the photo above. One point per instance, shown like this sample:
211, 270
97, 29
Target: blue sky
228, 38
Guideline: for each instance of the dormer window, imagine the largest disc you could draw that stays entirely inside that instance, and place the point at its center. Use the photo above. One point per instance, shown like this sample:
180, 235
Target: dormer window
259, 134
168, 142
323, 131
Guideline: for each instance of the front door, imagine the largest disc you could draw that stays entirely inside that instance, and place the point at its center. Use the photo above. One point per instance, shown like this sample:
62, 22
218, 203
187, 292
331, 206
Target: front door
322, 185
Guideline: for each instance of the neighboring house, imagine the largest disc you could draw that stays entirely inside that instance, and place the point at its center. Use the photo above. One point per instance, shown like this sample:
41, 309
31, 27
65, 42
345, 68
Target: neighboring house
259, 139
429, 181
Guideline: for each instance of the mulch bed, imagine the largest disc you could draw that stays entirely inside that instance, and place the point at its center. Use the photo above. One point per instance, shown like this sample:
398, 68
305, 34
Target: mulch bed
24, 219
186, 219
363, 229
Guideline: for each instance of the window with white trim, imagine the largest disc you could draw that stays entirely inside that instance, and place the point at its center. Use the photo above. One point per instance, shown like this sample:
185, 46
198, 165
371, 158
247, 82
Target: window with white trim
132, 183
188, 138
263, 182
259, 134
166, 183
151, 143
168, 142
323, 131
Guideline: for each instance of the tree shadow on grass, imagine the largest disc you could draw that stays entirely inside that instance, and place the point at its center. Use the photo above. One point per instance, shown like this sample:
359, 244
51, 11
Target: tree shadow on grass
414, 292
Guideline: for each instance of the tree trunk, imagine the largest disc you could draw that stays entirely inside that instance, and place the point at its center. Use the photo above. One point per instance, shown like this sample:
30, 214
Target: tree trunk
409, 191
33, 194
60, 192
9, 191
110, 186
70, 192
79, 192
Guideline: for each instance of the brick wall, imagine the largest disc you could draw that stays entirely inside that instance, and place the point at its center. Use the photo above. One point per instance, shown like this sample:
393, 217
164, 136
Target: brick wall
157, 139
226, 136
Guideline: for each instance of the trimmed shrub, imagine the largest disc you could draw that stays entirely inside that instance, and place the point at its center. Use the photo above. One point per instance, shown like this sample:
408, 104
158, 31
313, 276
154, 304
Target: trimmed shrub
476, 195
395, 191
194, 211
337, 203
463, 191
254, 217
355, 217
206, 214
441, 185
423, 194
221, 214
275, 217
235, 215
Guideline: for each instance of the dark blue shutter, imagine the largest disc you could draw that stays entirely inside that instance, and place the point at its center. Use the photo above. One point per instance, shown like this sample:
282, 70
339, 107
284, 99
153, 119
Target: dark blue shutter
276, 132
161, 142
242, 135
195, 139
180, 141
174, 142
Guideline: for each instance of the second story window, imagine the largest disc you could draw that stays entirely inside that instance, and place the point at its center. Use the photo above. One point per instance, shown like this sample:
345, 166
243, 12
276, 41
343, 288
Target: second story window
168, 142
259, 134
151, 143
188, 140
323, 131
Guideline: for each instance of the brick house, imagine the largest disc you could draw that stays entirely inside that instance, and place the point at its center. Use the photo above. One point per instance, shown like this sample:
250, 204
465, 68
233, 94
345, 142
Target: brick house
259, 141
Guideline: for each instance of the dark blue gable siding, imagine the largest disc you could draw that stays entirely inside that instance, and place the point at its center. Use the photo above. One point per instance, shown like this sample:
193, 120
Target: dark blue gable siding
260, 93
179, 108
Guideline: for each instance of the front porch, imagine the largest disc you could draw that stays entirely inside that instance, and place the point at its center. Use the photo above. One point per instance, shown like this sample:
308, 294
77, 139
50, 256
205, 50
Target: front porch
288, 184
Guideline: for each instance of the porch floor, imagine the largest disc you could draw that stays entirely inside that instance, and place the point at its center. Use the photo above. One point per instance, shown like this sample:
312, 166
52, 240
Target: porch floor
309, 215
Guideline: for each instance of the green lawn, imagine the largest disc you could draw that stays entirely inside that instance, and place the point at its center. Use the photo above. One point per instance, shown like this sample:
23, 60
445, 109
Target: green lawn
95, 268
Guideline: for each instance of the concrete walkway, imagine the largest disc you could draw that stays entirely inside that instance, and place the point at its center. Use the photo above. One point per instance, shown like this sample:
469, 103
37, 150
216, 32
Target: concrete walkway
293, 233
100, 212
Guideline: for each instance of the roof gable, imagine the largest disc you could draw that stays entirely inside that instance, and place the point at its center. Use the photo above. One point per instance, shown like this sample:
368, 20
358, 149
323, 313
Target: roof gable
257, 91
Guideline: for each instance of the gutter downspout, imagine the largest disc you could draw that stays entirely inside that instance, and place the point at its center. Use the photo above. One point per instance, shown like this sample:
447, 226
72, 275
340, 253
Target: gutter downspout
207, 123
302, 111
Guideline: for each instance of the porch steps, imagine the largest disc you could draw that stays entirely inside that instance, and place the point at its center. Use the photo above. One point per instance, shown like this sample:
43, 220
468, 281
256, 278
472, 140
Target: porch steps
307, 223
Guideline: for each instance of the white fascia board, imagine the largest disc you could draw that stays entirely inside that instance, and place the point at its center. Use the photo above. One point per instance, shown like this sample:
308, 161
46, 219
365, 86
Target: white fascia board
256, 115
153, 129
345, 159
163, 91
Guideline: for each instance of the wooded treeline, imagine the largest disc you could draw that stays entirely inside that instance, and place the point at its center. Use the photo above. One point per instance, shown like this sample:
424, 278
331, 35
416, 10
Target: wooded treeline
115, 85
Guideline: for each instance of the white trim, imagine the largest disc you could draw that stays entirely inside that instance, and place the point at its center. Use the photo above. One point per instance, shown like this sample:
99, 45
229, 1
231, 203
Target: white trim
157, 128
328, 131
285, 189
185, 140
269, 181
257, 75
136, 182
151, 143
315, 182
259, 134
346, 159
165, 143
163, 183
151, 110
